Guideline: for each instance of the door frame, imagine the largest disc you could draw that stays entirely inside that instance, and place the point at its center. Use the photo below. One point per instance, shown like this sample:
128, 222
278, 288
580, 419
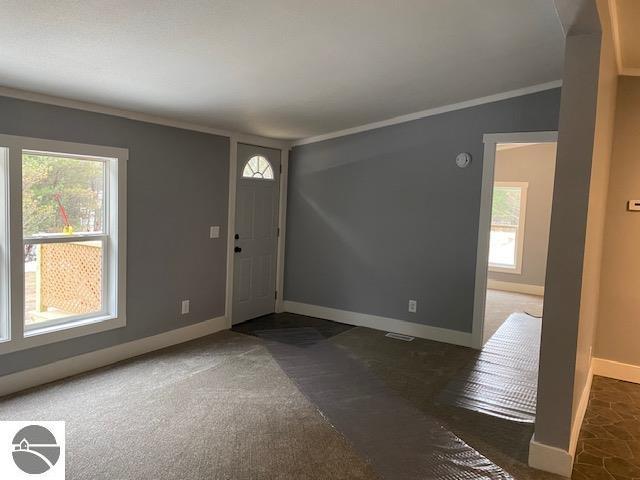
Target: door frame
231, 220
484, 225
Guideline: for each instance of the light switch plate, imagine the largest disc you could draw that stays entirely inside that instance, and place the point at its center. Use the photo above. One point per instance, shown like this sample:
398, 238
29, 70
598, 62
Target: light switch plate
413, 306
214, 232
634, 205
185, 307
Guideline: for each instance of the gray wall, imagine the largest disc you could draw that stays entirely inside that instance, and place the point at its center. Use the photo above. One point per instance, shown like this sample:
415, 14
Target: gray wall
564, 358
384, 216
534, 164
177, 187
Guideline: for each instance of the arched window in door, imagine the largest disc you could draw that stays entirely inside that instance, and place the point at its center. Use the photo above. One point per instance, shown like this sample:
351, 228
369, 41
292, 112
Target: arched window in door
258, 167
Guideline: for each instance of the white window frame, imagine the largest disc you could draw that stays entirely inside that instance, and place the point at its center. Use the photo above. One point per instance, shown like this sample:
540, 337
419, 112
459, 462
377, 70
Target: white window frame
517, 268
114, 238
5, 274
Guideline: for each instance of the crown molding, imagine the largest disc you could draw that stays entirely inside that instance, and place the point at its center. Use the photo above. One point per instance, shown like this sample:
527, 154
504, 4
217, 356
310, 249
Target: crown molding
142, 117
432, 111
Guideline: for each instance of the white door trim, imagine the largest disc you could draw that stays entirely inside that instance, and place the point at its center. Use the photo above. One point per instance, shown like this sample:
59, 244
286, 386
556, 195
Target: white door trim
231, 227
231, 222
484, 225
282, 229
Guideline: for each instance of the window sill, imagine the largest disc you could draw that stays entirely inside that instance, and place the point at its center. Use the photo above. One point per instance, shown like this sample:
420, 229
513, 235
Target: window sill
504, 269
59, 333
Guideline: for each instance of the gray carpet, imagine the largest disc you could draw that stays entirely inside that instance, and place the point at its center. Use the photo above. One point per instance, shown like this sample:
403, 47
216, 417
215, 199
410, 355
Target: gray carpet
219, 408
222, 407
501, 304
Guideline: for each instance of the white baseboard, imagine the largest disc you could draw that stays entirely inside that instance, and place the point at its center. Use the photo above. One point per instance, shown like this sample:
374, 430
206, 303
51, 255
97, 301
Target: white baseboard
33, 377
581, 410
515, 287
381, 323
556, 460
617, 370
550, 459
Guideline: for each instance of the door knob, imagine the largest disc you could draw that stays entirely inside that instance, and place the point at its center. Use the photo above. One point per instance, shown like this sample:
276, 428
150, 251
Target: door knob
237, 249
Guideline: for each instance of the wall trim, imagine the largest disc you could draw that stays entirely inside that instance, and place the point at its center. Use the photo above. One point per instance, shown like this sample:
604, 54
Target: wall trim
550, 459
554, 459
380, 323
141, 117
431, 111
33, 377
515, 287
231, 229
612, 369
615, 33
282, 229
580, 411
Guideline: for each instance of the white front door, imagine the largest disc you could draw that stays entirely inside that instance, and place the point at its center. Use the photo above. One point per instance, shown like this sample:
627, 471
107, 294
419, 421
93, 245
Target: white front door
256, 235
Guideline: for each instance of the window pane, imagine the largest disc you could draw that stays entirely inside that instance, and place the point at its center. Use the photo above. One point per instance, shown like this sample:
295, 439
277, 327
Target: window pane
505, 219
61, 194
506, 206
502, 246
62, 280
258, 167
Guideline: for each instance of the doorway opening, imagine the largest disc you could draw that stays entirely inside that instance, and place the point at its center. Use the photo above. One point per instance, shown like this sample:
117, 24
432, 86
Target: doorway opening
519, 232
515, 217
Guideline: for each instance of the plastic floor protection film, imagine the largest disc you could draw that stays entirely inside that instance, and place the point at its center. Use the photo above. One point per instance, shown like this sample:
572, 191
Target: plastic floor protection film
503, 380
399, 440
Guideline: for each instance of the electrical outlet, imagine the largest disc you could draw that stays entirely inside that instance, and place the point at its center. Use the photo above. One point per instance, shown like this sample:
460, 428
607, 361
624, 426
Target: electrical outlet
413, 306
214, 231
185, 307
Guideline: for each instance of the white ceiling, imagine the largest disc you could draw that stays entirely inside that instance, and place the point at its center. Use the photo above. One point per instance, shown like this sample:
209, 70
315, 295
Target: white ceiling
278, 68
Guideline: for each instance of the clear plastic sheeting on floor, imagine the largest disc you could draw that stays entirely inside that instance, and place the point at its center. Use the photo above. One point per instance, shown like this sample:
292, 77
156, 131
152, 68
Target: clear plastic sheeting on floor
503, 380
398, 440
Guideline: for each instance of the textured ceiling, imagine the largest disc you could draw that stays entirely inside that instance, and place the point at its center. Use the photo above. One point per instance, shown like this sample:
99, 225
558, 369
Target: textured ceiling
279, 68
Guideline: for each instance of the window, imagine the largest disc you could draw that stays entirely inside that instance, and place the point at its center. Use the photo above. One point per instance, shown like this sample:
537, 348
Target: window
507, 227
258, 167
67, 229
4, 243
65, 238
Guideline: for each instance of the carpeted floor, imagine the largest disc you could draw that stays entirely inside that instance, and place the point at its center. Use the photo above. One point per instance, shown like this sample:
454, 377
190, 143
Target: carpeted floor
229, 406
501, 304
216, 408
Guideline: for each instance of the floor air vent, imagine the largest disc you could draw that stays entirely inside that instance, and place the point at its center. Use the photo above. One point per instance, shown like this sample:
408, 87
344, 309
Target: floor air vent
399, 336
